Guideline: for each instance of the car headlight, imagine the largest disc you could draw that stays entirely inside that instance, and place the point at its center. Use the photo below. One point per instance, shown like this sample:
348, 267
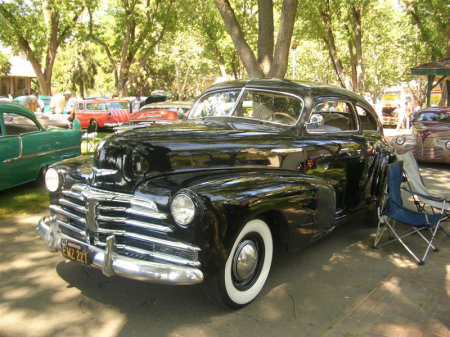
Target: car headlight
400, 140
52, 181
183, 209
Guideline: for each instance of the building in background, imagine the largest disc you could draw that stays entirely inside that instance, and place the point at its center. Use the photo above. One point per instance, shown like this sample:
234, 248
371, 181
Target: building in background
18, 78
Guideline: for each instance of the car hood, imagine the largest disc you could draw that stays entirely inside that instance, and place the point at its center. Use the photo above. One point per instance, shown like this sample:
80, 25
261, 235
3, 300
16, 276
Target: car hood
432, 129
125, 159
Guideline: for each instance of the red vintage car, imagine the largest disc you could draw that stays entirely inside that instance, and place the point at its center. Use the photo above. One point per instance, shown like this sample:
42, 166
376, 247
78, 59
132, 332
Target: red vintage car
169, 111
103, 113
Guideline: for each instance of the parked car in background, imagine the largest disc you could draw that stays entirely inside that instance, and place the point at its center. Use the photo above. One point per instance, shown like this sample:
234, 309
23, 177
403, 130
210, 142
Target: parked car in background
204, 200
27, 148
430, 137
102, 113
54, 120
45, 100
390, 116
170, 111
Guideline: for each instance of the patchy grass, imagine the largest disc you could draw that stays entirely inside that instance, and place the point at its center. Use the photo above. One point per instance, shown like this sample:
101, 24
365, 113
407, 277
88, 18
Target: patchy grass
84, 145
22, 200
30, 198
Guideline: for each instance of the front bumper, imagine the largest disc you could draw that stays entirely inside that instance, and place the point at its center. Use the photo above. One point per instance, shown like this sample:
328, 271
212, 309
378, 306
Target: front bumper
114, 125
113, 264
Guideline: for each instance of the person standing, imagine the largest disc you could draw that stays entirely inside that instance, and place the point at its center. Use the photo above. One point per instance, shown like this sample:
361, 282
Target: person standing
30, 101
400, 116
57, 102
136, 105
71, 103
408, 114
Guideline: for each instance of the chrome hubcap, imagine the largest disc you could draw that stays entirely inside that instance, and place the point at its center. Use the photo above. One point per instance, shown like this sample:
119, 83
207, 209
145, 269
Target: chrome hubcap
245, 260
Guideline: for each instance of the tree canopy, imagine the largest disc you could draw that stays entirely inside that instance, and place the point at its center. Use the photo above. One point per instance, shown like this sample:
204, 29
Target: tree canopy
131, 47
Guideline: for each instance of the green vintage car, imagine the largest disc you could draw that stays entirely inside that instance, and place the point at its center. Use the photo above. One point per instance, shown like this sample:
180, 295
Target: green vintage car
27, 148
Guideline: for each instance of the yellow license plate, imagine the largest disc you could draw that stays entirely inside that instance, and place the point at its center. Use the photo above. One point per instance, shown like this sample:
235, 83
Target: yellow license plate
73, 251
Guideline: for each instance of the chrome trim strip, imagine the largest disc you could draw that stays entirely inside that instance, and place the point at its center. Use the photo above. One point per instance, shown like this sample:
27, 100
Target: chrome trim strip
162, 242
72, 228
20, 157
70, 193
150, 226
112, 219
140, 203
78, 208
111, 208
164, 257
103, 172
156, 215
59, 210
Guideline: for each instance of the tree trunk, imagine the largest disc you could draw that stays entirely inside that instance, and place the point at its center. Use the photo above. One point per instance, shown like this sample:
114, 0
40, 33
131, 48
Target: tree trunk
281, 57
237, 36
357, 14
269, 63
444, 92
265, 35
353, 65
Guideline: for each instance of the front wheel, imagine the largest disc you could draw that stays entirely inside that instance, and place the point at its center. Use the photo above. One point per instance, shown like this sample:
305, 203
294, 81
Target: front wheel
246, 269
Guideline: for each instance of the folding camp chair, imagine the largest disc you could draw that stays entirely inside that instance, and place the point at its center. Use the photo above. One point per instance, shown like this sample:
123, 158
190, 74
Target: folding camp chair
392, 210
439, 201
89, 138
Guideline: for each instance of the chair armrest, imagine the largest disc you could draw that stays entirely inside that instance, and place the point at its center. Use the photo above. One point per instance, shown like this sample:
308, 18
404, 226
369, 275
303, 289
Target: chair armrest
425, 196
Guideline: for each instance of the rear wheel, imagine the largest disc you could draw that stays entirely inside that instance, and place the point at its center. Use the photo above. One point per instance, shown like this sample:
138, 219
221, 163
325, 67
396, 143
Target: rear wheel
246, 269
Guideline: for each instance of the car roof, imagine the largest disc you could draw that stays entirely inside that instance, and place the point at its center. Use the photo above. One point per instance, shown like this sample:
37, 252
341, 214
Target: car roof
317, 89
435, 109
170, 104
20, 109
104, 100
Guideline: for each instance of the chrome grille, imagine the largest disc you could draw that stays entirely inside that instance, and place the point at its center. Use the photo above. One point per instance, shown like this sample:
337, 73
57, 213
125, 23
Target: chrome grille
91, 215
426, 152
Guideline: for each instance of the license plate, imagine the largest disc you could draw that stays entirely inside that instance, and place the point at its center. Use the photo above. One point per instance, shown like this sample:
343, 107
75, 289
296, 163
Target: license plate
74, 251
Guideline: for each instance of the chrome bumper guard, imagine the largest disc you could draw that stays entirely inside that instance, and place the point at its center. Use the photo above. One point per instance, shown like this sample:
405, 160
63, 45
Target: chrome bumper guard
114, 264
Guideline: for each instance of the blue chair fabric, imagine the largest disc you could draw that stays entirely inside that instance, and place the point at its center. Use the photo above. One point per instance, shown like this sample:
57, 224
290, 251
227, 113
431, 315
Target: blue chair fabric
394, 210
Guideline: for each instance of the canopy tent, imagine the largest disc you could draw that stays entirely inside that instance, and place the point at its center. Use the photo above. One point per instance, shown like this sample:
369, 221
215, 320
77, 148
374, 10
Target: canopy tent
437, 71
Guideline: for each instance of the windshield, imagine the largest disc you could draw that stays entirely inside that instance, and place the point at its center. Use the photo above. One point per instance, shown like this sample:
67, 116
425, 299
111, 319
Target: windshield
253, 104
434, 117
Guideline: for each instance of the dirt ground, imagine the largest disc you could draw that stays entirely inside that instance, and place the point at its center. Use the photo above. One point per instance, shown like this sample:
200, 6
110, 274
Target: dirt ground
338, 287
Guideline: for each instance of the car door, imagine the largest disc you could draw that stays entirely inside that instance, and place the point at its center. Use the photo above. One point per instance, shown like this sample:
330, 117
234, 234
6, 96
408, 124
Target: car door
336, 150
18, 150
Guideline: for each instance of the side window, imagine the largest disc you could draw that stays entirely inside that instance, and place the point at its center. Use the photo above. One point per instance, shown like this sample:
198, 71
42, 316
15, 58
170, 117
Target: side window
332, 116
16, 124
270, 106
368, 121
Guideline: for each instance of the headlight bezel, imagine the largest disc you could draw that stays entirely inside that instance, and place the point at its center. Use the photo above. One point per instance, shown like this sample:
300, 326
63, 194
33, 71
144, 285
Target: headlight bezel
189, 200
53, 180
400, 140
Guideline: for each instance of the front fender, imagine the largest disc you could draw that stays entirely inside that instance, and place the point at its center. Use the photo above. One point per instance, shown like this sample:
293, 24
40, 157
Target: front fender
297, 207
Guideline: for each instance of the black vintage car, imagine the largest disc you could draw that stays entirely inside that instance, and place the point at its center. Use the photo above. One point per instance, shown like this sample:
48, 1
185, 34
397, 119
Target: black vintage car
204, 200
